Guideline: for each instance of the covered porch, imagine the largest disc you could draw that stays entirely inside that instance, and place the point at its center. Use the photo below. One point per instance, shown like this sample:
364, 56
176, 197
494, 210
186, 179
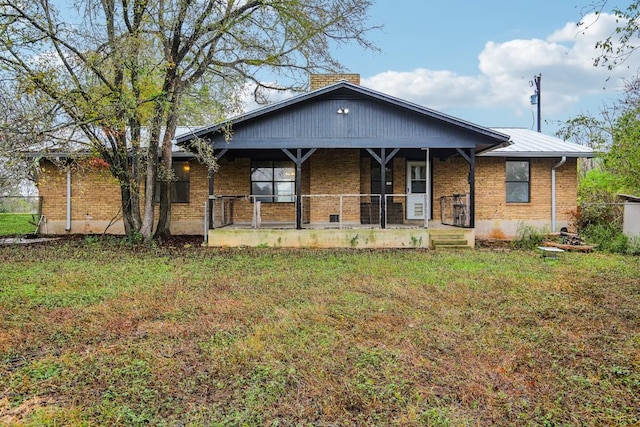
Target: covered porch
342, 166
340, 220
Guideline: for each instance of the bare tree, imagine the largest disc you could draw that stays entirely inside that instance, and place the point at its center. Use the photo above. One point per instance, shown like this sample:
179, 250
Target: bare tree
24, 125
116, 66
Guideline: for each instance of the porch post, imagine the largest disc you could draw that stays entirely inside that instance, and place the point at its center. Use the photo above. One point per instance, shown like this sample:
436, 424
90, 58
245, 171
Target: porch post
472, 188
428, 189
210, 216
383, 159
383, 188
299, 159
471, 159
212, 207
298, 189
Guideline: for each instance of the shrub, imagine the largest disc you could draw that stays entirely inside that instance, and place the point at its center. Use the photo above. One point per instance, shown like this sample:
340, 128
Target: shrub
606, 237
528, 237
597, 213
600, 215
633, 245
597, 195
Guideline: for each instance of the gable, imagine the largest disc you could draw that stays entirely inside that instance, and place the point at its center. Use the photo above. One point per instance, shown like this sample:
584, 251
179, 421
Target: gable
344, 115
367, 124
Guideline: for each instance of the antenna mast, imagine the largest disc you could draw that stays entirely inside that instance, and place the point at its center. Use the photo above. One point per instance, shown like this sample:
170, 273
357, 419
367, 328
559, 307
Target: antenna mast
535, 98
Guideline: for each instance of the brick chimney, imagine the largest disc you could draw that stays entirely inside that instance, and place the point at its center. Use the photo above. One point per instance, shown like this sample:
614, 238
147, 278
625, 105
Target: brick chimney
316, 81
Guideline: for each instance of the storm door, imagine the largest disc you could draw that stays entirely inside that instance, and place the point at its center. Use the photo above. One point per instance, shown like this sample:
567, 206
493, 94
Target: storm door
417, 186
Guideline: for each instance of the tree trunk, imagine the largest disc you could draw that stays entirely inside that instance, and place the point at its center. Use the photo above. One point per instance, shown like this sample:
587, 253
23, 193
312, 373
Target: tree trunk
164, 215
122, 170
130, 217
135, 175
146, 229
163, 229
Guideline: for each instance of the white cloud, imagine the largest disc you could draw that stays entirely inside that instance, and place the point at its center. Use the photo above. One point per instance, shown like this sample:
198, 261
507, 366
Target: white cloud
434, 89
565, 60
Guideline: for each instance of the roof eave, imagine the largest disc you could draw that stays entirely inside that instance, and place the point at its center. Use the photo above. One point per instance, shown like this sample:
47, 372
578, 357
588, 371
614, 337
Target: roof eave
629, 198
547, 154
75, 154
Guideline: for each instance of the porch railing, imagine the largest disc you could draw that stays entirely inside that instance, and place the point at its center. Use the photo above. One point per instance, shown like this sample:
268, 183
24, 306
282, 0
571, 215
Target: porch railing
454, 210
318, 210
220, 211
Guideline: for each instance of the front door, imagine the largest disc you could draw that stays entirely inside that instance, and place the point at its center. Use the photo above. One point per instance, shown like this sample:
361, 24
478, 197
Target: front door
417, 197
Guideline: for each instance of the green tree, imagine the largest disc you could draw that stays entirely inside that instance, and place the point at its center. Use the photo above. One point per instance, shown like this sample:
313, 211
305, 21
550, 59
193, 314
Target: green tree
622, 43
114, 67
591, 131
621, 147
623, 157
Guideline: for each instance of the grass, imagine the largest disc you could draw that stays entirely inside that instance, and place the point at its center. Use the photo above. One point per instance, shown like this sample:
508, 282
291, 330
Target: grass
103, 333
12, 224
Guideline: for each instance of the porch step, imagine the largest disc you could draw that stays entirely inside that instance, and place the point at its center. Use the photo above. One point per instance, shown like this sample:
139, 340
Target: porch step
449, 239
441, 244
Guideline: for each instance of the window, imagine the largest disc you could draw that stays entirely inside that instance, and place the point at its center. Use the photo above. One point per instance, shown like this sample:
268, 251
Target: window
376, 183
275, 180
180, 183
518, 181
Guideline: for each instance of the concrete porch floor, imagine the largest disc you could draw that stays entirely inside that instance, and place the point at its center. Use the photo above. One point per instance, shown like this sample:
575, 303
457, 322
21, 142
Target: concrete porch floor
331, 236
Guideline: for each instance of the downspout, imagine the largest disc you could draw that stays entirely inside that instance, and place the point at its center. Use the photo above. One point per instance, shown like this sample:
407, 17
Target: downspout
553, 193
68, 227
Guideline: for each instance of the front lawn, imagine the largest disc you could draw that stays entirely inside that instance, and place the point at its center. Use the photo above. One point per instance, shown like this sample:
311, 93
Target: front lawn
14, 224
103, 333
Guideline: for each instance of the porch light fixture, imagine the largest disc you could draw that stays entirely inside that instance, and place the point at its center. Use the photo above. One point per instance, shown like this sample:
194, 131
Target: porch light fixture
343, 110
186, 167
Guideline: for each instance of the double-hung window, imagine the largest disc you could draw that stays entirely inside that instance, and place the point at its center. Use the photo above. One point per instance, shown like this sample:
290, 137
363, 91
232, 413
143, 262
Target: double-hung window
179, 183
518, 181
273, 181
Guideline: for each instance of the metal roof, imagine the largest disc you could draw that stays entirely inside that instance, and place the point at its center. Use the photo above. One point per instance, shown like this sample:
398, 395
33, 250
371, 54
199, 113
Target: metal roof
629, 198
76, 143
529, 143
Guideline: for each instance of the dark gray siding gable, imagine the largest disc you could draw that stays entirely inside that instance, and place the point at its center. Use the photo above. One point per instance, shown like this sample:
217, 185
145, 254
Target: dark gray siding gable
367, 124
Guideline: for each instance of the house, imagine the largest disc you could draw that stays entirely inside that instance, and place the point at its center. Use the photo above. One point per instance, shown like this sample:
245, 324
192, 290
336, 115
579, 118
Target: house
344, 165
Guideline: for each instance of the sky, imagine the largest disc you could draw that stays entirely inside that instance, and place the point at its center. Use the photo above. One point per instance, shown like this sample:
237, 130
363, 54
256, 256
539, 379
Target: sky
475, 59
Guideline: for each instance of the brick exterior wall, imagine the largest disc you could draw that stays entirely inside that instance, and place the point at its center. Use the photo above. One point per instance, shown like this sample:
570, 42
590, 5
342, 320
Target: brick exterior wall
451, 177
96, 201
327, 172
96, 195
493, 209
317, 81
233, 181
335, 172
345, 172
494, 216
